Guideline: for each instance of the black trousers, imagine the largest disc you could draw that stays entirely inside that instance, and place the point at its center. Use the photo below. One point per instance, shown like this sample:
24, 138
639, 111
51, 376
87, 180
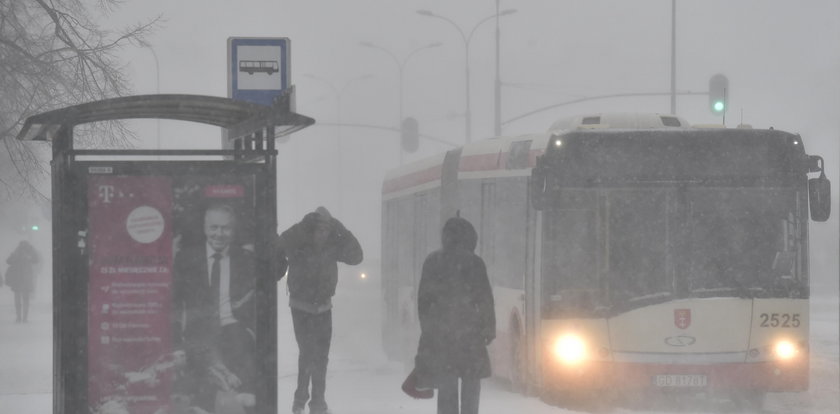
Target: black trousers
313, 333
21, 306
448, 400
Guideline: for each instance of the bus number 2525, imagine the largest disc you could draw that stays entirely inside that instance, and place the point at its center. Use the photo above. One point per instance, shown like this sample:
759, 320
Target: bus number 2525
775, 320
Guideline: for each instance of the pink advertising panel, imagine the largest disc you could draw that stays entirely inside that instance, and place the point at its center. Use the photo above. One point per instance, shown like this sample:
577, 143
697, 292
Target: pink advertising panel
171, 294
129, 296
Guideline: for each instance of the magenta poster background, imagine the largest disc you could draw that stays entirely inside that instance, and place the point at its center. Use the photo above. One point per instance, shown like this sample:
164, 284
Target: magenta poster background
129, 296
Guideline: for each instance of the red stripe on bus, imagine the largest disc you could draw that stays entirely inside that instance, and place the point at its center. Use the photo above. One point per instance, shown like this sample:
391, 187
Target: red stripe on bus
476, 162
481, 162
412, 179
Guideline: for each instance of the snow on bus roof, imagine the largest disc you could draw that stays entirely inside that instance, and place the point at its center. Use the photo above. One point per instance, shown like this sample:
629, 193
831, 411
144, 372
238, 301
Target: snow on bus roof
619, 120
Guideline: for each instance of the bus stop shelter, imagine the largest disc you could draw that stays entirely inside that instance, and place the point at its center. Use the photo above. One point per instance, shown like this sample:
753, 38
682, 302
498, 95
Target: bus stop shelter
124, 224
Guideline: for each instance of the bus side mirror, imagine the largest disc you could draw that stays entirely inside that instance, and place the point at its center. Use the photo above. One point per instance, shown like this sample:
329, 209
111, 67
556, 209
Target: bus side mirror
538, 186
819, 197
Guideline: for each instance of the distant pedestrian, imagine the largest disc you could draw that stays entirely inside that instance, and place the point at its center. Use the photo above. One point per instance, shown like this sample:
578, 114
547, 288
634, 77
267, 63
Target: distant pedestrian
457, 320
20, 277
313, 247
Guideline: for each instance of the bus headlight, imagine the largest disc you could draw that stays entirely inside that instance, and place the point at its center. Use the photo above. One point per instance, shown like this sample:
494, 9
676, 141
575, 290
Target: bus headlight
569, 349
785, 349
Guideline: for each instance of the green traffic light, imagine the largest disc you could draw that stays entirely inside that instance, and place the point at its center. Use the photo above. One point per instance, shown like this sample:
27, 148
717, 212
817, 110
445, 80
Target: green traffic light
35, 227
718, 92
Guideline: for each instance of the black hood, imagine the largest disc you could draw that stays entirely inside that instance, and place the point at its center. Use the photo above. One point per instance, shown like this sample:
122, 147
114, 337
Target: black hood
458, 233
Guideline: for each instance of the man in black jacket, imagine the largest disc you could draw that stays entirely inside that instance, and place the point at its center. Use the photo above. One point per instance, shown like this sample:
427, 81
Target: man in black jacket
313, 248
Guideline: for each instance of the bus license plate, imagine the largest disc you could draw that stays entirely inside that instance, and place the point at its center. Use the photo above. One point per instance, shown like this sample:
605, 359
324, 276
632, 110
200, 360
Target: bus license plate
670, 380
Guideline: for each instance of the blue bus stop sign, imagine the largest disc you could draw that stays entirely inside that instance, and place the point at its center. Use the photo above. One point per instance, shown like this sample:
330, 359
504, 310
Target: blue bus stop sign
258, 68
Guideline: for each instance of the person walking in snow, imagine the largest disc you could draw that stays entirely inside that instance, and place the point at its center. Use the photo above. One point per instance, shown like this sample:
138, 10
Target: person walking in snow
457, 320
313, 247
20, 277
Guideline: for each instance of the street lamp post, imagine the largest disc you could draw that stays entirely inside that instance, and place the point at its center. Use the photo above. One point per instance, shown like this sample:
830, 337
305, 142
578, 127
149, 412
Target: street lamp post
497, 83
401, 68
466, 38
673, 57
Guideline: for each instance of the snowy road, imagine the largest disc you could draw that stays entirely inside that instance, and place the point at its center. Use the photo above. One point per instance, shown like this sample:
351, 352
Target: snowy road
360, 380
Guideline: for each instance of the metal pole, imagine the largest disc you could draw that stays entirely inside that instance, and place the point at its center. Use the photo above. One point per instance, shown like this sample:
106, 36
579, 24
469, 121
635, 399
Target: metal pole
467, 112
673, 57
497, 85
466, 39
401, 68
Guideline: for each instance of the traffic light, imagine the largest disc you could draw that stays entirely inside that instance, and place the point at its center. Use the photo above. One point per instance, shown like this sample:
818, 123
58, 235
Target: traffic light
410, 135
27, 228
718, 94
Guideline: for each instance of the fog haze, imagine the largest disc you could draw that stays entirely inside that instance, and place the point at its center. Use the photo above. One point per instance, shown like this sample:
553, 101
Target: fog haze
781, 58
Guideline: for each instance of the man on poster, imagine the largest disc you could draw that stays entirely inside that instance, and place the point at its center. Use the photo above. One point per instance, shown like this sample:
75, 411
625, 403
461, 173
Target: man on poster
214, 314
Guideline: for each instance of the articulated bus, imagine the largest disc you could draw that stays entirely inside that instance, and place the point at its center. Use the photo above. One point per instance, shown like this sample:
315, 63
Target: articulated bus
627, 252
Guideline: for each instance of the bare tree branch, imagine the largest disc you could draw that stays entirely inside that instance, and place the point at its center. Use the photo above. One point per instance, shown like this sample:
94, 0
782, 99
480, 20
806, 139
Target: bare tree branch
53, 54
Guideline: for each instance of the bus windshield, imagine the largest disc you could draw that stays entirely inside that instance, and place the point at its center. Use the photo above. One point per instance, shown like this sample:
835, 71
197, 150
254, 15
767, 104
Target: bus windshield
742, 240
629, 247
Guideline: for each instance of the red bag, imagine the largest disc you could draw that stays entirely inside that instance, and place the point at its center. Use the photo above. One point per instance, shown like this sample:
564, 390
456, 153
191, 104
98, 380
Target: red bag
409, 386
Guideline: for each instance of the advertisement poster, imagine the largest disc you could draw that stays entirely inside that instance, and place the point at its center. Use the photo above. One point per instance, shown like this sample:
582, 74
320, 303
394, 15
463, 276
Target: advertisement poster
171, 310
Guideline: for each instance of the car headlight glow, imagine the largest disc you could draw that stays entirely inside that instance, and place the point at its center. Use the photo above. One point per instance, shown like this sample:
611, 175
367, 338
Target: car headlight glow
785, 349
570, 349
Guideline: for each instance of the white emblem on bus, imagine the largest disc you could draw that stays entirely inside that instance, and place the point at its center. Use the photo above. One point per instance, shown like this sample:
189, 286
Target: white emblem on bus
681, 340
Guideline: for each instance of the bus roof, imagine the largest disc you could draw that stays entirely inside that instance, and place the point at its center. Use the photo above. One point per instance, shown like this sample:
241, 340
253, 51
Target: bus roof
493, 156
618, 120
664, 155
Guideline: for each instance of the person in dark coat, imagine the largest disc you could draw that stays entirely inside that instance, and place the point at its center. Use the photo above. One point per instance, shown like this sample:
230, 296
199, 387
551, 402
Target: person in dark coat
457, 320
20, 277
313, 247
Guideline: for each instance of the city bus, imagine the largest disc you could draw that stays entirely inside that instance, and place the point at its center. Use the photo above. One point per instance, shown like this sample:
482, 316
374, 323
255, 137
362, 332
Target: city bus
629, 253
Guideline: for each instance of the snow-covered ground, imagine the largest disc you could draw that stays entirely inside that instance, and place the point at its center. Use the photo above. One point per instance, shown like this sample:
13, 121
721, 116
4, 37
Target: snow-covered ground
360, 380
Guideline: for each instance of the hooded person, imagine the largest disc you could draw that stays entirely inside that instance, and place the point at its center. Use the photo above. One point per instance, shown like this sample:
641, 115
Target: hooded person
457, 320
313, 248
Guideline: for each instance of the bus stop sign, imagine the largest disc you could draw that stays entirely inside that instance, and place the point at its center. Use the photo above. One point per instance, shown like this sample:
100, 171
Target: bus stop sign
258, 68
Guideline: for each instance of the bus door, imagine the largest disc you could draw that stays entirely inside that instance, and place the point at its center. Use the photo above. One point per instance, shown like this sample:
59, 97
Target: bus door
533, 298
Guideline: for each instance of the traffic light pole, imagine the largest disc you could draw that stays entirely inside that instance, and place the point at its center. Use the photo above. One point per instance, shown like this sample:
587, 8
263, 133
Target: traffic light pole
673, 57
